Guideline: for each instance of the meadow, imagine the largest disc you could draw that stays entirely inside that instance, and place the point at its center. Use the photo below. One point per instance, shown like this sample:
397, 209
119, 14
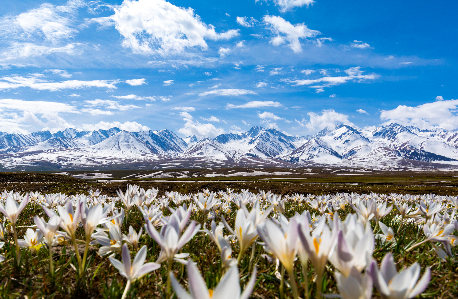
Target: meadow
230, 243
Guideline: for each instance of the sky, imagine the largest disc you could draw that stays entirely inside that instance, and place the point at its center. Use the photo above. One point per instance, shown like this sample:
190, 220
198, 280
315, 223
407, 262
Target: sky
210, 67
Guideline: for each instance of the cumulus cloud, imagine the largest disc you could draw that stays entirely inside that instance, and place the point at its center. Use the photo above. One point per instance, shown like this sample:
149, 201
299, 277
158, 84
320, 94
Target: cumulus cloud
161, 27
245, 22
20, 116
437, 114
130, 126
287, 32
362, 111
261, 84
286, 5
320, 41
255, 104
34, 82
360, 45
211, 119
439, 98
61, 73
275, 71
227, 92
354, 74
52, 23
200, 130
168, 82
186, 109
139, 98
108, 104
136, 82
327, 119
268, 115
224, 51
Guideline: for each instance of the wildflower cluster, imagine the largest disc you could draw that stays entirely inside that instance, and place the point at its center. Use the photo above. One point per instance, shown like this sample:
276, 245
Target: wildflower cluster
311, 246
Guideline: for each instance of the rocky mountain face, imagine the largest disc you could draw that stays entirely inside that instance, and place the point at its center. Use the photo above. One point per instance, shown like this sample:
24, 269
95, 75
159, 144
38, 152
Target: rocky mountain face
390, 146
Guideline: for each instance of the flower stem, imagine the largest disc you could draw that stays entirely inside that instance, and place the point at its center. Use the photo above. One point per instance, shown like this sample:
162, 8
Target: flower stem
51, 264
77, 253
18, 252
169, 269
416, 245
239, 258
253, 251
126, 290
86, 249
319, 284
306, 279
292, 282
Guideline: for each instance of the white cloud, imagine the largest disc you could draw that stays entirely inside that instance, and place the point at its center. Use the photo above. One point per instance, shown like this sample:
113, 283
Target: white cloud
321, 40
61, 73
275, 71
406, 63
53, 23
186, 109
168, 82
130, 126
136, 82
360, 45
25, 50
137, 98
36, 83
161, 27
186, 116
354, 74
268, 115
255, 104
261, 84
240, 44
200, 130
74, 95
439, 98
227, 92
327, 119
245, 123
307, 72
260, 68
245, 22
362, 111
19, 116
284, 30
437, 114
95, 112
332, 95
211, 119
286, 5
108, 104
224, 51
236, 130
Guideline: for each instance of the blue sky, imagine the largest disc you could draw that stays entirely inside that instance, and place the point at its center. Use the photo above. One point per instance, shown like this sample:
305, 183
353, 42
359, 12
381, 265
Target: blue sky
209, 67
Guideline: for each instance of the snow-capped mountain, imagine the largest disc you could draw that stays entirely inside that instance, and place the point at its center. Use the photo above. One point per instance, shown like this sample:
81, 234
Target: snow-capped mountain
389, 146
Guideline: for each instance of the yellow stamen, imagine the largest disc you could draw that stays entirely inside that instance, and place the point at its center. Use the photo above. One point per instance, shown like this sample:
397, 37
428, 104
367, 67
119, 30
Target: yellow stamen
210, 293
112, 242
71, 217
316, 244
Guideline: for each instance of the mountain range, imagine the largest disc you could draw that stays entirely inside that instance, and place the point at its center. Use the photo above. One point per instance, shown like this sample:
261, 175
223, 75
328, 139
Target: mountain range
390, 146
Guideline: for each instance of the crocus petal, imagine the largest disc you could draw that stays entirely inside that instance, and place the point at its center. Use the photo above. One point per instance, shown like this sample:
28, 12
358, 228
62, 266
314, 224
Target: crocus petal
181, 293
24, 202
126, 259
422, 284
250, 285
388, 268
145, 269
229, 286
196, 283
139, 260
117, 264
153, 233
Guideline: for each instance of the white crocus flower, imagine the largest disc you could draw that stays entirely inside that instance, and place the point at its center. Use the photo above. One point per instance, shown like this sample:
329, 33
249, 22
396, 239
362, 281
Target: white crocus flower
354, 247
283, 244
32, 240
318, 247
133, 237
381, 211
245, 231
388, 233
12, 209
215, 233
48, 229
402, 285
227, 288
133, 271
354, 285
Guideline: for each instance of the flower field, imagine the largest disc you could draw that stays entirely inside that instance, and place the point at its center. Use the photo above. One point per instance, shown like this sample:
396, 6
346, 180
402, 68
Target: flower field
227, 244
